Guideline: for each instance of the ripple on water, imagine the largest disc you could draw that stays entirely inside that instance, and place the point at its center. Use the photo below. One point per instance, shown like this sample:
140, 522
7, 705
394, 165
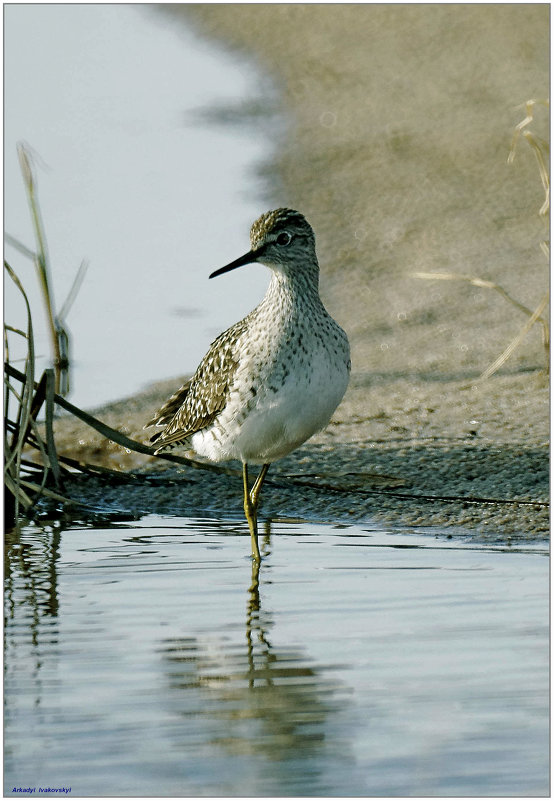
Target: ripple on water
357, 662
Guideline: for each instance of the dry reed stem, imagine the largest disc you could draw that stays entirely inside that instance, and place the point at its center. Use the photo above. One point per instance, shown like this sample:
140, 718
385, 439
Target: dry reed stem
56, 322
534, 316
41, 258
540, 149
492, 368
24, 428
30, 397
13, 449
529, 106
543, 172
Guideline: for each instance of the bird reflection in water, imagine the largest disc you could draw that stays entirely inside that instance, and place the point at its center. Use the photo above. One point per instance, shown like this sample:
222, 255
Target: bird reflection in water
259, 701
253, 620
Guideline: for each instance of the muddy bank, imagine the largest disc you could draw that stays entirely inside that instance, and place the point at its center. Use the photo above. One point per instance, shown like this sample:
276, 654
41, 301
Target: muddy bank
396, 465
392, 129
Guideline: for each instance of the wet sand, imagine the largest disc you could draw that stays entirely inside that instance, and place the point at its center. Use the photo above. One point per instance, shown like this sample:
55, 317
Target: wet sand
392, 125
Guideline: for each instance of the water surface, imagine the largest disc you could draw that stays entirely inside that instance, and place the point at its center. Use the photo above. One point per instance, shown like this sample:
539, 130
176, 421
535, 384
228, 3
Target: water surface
135, 181
150, 659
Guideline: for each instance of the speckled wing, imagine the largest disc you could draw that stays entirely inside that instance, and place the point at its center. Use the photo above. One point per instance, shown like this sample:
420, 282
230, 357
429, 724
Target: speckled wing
167, 412
198, 402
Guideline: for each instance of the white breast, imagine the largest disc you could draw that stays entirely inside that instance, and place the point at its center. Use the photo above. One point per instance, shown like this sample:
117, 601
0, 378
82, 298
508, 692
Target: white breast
271, 412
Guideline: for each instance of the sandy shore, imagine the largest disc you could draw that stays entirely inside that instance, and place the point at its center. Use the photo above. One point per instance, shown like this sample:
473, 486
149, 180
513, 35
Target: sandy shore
399, 121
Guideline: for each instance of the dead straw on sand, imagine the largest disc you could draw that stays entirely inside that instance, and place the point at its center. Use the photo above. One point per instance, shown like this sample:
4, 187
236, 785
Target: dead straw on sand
541, 150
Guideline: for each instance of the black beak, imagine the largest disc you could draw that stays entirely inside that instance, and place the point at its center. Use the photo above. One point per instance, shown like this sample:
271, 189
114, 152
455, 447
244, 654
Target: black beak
248, 258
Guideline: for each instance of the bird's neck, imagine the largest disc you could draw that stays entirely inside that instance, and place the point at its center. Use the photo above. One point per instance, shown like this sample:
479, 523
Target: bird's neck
291, 289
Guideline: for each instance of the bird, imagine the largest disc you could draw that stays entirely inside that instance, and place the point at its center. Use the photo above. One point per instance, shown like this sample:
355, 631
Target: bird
271, 380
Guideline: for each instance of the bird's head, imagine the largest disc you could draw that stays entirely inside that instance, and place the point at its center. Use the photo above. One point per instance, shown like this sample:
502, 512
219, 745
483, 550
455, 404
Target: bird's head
282, 240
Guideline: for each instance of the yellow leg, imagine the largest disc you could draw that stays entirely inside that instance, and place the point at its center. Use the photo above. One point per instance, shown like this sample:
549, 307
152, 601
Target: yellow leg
255, 493
251, 500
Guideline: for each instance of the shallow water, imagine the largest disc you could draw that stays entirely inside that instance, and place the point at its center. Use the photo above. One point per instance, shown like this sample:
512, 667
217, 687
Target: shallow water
149, 659
153, 193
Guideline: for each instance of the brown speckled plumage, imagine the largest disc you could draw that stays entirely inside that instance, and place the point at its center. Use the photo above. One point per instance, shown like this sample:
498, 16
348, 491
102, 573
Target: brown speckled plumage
274, 378
197, 403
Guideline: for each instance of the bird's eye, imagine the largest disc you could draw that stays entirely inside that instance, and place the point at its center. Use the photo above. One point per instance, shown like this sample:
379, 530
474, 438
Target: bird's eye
284, 238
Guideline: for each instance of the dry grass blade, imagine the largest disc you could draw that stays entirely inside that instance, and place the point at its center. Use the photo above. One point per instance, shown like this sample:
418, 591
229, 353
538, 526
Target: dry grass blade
14, 331
41, 490
540, 149
20, 475
56, 324
41, 257
75, 287
21, 499
50, 445
533, 315
13, 449
492, 368
480, 282
23, 430
530, 116
23, 249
